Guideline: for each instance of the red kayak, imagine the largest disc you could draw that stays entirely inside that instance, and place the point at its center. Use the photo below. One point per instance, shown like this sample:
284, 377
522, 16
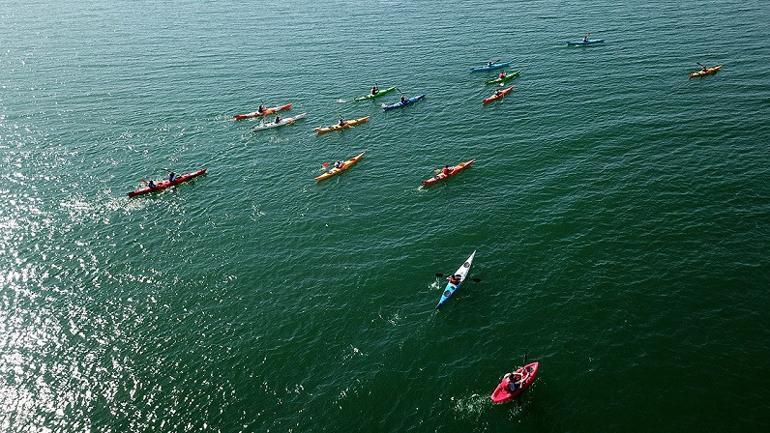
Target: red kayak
497, 96
160, 186
267, 112
525, 377
454, 170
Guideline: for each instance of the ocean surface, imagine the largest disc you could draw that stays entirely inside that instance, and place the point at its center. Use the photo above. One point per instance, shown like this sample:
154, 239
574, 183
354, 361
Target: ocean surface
621, 214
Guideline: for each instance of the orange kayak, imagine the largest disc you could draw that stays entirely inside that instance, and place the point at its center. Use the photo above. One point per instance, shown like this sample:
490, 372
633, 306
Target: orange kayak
348, 124
497, 96
454, 170
708, 71
345, 165
264, 113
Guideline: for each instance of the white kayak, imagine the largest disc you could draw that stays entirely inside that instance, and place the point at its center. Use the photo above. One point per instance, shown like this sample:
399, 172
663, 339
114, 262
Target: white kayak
282, 122
451, 288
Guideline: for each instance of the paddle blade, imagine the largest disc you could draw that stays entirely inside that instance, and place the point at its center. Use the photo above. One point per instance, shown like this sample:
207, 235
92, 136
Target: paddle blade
325, 164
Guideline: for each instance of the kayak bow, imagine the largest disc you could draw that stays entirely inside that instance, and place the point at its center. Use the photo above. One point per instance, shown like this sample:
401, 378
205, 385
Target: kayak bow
348, 124
160, 186
456, 169
450, 288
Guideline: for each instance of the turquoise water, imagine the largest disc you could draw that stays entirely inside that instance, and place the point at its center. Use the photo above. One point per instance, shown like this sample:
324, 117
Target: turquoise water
621, 214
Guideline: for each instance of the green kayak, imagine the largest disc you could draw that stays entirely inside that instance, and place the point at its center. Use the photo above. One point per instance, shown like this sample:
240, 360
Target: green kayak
509, 76
377, 95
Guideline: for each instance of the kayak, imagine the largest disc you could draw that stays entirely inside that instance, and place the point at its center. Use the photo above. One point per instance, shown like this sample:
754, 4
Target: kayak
160, 186
450, 288
400, 104
491, 67
377, 95
282, 122
345, 165
497, 96
348, 124
456, 169
509, 76
267, 112
708, 71
501, 394
583, 43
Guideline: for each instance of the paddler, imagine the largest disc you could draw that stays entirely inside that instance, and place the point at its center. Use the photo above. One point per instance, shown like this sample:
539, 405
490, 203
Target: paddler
338, 164
375, 90
403, 99
342, 122
502, 75
446, 171
515, 380
151, 185
261, 109
277, 119
171, 176
455, 280
498, 92
489, 64
585, 38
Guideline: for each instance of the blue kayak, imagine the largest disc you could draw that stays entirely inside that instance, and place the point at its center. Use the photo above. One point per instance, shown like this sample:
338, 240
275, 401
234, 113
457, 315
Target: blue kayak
491, 67
584, 44
400, 104
452, 288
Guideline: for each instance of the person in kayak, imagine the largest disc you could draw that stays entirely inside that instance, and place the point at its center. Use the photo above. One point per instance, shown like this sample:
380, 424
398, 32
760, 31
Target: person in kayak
489, 64
403, 99
585, 38
375, 90
502, 75
151, 185
338, 164
515, 380
171, 176
277, 119
498, 92
342, 122
455, 280
446, 171
261, 108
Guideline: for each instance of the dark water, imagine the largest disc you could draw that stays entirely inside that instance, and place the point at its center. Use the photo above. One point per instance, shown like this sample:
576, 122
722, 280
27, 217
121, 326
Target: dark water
621, 214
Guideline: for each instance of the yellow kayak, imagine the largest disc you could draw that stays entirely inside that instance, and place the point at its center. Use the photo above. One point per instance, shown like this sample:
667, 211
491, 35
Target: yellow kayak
348, 124
704, 72
345, 165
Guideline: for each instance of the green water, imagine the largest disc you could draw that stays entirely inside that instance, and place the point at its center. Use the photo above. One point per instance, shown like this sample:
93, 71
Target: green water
621, 214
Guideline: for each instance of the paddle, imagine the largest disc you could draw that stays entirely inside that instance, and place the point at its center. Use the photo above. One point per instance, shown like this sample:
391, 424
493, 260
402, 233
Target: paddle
475, 280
